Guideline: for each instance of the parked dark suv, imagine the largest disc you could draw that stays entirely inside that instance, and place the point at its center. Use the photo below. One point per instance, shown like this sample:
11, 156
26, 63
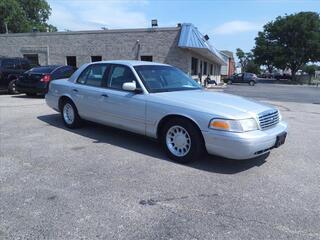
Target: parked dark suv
249, 78
10, 70
36, 80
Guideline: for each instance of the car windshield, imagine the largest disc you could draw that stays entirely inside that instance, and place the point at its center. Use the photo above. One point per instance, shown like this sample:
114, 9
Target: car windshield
159, 78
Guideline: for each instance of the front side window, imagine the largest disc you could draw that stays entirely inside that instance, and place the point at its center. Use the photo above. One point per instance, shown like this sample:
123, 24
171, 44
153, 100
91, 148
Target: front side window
119, 74
159, 78
93, 75
8, 64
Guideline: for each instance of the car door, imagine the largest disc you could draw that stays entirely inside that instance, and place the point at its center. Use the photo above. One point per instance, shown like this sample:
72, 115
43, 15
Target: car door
239, 78
88, 93
8, 68
123, 109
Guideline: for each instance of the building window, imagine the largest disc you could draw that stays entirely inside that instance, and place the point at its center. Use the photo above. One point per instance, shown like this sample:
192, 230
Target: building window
200, 72
33, 59
211, 69
96, 58
194, 66
72, 61
146, 58
205, 67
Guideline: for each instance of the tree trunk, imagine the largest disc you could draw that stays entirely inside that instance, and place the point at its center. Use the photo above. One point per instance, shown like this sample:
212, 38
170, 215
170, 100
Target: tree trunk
294, 77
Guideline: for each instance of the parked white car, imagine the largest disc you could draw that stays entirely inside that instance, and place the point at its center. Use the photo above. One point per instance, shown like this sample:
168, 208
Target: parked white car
162, 102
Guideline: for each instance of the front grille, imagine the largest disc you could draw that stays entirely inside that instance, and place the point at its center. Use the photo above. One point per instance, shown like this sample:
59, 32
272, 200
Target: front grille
268, 119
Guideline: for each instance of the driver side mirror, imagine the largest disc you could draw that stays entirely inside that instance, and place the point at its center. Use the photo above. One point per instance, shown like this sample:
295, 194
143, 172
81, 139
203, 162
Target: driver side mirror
129, 86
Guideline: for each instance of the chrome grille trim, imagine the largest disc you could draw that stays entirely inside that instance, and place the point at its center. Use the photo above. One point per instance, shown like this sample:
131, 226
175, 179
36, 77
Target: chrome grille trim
268, 119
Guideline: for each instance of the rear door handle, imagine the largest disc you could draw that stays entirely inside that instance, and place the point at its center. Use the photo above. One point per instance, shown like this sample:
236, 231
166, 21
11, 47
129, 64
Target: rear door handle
104, 95
75, 90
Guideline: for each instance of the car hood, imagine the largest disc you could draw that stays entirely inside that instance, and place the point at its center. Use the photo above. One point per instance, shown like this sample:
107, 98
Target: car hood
216, 103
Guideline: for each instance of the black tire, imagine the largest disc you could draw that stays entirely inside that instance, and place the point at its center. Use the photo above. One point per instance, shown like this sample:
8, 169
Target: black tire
252, 83
76, 120
31, 94
229, 82
196, 149
12, 89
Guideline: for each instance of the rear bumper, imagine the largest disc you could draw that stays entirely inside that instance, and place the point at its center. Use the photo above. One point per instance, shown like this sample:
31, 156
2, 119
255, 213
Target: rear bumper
242, 145
41, 88
52, 101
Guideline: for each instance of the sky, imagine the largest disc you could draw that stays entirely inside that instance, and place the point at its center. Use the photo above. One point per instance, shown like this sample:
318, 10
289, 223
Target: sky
230, 24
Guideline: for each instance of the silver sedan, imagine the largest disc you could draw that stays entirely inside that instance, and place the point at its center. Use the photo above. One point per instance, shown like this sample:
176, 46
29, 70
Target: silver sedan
162, 102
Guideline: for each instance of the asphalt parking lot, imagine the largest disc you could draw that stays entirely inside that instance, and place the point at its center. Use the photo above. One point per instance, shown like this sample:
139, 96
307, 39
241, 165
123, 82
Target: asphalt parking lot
103, 183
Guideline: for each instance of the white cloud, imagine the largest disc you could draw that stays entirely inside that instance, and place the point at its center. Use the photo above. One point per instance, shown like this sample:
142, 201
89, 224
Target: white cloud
94, 14
233, 27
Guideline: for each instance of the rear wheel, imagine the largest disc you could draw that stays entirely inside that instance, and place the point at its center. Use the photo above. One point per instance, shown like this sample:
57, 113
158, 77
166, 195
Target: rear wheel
251, 83
229, 82
182, 141
70, 114
12, 87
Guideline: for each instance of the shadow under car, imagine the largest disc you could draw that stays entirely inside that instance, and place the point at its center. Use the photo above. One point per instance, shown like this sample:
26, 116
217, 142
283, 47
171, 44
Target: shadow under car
144, 145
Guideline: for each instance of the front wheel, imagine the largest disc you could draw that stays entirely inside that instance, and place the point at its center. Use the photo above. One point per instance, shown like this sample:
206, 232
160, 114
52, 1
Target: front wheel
229, 82
70, 115
182, 141
12, 87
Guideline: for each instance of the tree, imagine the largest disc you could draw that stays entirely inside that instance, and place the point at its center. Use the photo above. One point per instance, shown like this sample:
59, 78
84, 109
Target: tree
264, 52
24, 15
310, 69
242, 57
246, 61
293, 41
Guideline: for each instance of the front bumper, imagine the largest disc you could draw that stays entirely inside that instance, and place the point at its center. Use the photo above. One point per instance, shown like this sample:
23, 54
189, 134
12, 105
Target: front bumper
41, 88
242, 145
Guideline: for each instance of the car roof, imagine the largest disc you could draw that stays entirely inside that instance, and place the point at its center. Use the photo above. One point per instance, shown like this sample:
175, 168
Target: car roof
51, 66
5, 58
131, 62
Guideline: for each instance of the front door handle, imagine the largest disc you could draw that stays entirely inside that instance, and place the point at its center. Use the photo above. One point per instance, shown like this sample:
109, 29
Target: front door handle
75, 90
104, 95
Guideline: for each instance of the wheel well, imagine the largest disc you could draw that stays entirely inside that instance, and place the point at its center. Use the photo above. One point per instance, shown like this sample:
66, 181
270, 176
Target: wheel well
12, 77
164, 120
62, 100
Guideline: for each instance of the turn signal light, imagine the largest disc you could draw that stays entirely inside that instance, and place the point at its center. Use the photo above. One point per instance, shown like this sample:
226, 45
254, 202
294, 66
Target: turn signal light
220, 125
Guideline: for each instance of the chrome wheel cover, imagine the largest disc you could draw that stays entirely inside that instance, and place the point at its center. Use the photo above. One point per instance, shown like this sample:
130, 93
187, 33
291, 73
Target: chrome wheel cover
178, 141
68, 113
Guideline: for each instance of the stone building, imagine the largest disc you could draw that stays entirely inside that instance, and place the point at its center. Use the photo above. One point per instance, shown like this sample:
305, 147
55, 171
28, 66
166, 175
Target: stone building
182, 46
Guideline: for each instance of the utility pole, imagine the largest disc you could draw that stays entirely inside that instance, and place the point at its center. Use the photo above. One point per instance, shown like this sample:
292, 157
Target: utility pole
6, 26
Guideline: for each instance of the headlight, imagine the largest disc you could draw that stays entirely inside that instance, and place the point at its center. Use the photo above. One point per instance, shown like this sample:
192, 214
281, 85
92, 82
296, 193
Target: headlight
243, 125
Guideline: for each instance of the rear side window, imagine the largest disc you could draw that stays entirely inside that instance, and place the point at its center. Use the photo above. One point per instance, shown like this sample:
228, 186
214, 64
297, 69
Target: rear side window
93, 75
63, 72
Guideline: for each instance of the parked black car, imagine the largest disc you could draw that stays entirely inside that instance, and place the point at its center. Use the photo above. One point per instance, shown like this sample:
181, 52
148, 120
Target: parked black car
10, 70
249, 78
36, 80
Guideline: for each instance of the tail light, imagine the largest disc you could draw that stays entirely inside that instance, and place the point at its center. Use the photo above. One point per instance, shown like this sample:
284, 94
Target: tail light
46, 78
